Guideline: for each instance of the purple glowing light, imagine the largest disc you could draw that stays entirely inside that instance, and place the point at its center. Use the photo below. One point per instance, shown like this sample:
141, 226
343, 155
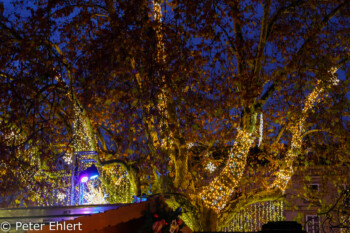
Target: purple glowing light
89, 173
84, 179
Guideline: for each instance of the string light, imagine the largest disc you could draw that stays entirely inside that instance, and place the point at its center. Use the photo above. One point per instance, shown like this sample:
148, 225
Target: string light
261, 128
285, 173
120, 188
333, 80
10, 136
217, 193
157, 15
82, 141
61, 196
68, 158
95, 195
255, 215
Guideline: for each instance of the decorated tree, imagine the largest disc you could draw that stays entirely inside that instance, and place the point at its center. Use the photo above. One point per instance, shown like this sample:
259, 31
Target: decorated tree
205, 102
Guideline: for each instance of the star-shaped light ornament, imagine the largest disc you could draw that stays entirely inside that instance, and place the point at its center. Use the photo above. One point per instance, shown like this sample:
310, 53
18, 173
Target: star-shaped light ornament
211, 167
334, 81
68, 158
61, 196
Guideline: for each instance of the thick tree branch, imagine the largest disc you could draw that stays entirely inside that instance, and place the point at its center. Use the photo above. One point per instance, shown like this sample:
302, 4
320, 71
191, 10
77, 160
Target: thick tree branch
280, 133
151, 131
121, 162
264, 98
65, 122
319, 26
239, 41
284, 127
280, 12
112, 136
262, 40
343, 61
78, 6
314, 32
314, 131
11, 31
102, 140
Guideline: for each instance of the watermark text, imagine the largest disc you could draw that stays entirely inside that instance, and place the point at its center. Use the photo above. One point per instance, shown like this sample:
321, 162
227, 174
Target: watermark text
51, 226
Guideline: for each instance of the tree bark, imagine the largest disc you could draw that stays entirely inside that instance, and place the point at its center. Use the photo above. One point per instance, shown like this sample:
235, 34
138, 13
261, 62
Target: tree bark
208, 220
134, 180
181, 169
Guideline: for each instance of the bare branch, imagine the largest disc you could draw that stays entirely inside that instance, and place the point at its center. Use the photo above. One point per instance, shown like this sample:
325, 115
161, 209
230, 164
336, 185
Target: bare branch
264, 98
115, 161
239, 40
319, 26
262, 40
280, 12
280, 133
79, 6
314, 131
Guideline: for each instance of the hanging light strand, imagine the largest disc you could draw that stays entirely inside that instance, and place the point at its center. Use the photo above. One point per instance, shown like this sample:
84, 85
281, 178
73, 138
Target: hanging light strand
255, 215
261, 129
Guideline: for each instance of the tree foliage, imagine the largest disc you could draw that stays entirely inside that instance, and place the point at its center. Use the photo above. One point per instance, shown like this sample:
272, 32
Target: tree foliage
163, 98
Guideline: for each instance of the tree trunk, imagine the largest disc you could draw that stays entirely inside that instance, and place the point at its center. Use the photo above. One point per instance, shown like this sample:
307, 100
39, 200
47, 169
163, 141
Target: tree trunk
181, 169
134, 181
208, 220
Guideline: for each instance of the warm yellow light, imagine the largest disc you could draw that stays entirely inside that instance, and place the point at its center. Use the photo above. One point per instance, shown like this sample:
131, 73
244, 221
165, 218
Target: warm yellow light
286, 172
217, 193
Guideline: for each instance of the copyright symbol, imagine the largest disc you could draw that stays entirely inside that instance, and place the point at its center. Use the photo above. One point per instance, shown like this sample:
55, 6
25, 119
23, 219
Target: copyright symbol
5, 226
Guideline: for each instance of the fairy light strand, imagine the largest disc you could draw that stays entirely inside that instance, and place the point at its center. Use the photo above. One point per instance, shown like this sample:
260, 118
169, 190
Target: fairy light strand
255, 215
95, 195
217, 193
286, 172
82, 139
